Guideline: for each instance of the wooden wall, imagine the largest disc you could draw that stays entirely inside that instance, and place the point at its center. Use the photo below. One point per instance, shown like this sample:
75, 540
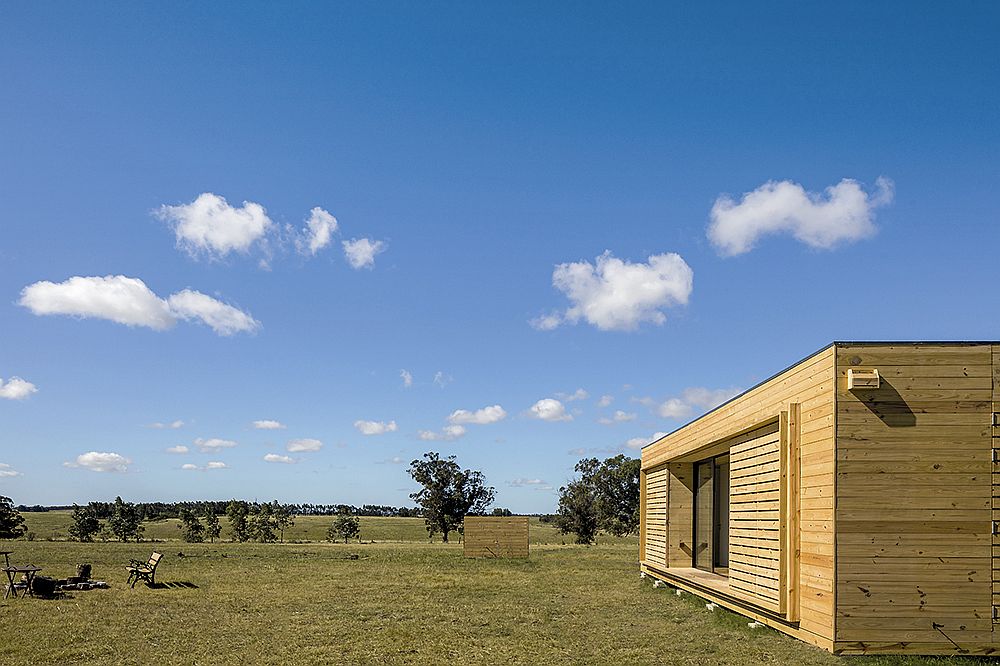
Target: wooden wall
655, 524
494, 536
811, 383
914, 497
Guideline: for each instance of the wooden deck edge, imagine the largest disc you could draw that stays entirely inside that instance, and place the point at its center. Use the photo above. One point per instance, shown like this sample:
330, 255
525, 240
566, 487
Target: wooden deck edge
744, 608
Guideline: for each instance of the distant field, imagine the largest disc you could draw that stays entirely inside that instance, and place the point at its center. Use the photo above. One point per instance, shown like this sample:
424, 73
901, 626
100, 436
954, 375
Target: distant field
401, 601
55, 525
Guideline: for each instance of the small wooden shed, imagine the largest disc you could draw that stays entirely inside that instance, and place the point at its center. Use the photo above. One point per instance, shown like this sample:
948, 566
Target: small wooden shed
851, 501
495, 536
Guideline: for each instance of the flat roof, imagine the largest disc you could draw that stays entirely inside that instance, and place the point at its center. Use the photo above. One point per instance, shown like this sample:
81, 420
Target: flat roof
835, 343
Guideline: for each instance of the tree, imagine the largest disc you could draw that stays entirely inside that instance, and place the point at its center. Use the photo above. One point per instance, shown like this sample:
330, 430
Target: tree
191, 528
346, 526
578, 511
212, 527
85, 523
261, 523
283, 518
448, 493
125, 522
237, 511
11, 522
606, 497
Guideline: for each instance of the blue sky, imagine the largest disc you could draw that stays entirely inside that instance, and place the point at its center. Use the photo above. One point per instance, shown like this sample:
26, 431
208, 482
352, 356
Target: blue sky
764, 180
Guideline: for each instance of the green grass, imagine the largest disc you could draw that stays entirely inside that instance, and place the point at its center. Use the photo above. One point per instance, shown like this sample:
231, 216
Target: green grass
402, 601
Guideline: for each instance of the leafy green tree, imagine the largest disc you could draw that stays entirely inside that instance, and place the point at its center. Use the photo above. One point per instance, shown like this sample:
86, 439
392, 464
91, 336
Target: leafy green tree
449, 493
261, 523
578, 511
237, 511
605, 497
85, 523
11, 521
212, 527
346, 526
283, 518
191, 528
126, 521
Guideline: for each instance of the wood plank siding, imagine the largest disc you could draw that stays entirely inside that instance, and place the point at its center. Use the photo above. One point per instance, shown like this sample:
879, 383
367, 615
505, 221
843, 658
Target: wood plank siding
773, 474
496, 536
914, 498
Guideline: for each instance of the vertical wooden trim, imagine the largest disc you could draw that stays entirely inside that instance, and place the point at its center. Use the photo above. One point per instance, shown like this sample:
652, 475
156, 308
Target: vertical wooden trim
794, 526
835, 571
785, 544
666, 518
642, 515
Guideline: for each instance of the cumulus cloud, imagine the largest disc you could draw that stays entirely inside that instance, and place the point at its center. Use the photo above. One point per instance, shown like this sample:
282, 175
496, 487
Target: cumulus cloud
375, 427
605, 400
618, 417
189, 466
8, 471
276, 458
210, 226
639, 442
550, 409
97, 461
268, 424
300, 445
482, 416
441, 379
216, 465
523, 483
222, 318
579, 394
360, 252
843, 213
129, 301
407, 378
691, 400
447, 434
16, 388
616, 295
213, 444
318, 232
180, 448
173, 425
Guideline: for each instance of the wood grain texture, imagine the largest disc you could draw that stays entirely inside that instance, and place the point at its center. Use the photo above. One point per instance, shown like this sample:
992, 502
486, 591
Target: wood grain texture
496, 536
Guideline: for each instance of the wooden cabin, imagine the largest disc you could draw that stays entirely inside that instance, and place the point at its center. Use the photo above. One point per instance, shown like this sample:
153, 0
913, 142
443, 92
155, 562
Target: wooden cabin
850, 501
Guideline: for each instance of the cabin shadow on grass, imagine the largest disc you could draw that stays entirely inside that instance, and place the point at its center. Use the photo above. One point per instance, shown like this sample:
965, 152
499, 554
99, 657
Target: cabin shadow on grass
173, 585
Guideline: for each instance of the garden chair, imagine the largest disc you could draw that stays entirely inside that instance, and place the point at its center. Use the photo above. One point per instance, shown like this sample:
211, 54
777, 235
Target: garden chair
143, 570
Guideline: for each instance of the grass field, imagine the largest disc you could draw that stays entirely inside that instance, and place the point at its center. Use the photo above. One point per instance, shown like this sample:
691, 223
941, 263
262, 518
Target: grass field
402, 600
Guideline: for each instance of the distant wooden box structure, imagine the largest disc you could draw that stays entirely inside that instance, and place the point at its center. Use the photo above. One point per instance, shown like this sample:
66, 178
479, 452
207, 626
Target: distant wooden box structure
494, 536
863, 520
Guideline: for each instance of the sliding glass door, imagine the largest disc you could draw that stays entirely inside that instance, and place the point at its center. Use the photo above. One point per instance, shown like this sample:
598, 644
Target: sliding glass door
711, 514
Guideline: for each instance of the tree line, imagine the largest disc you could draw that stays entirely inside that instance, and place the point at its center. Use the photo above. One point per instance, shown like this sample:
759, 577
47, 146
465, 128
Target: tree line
165, 510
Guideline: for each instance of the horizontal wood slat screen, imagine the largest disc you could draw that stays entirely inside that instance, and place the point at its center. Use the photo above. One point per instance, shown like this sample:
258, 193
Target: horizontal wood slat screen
495, 536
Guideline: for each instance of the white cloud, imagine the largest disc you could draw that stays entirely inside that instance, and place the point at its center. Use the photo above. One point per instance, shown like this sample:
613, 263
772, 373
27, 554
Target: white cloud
407, 378
16, 389
618, 417
550, 409
482, 416
605, 400
674, 408
639, 442
117, 298
275, 458
189, 466
210, 226
579, 394
129, 301
97, 461
180, 448
617, 295
213, 444
318, 232
447, 434
8, 471
844, 214
300, 445
375, 427
173, 425
548, 322
521, 483
267, 424
441, 379
709, 398
222, 318
216, 465
360, 252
